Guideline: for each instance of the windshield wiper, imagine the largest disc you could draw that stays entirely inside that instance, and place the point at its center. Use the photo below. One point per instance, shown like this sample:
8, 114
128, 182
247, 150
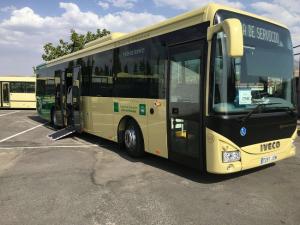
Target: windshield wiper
259, 107
288, 110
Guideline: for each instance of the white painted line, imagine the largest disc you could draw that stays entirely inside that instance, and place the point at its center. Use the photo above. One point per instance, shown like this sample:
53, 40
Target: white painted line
25, 131
29, 121
53, 146
77, 141
9, 113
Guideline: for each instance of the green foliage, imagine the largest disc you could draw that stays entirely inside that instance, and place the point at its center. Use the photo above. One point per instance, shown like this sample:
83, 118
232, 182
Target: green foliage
77, 42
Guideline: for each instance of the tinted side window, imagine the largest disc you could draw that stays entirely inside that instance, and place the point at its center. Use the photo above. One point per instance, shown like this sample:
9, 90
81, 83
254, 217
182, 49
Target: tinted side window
86, 70
131, 79
156, 68
30, 87
40, 87
22, 87
50, 84
50, 87
139, 70
102, 80
17, 87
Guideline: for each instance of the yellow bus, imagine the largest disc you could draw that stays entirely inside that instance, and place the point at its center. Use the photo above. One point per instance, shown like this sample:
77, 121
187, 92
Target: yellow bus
211, 89
17, 92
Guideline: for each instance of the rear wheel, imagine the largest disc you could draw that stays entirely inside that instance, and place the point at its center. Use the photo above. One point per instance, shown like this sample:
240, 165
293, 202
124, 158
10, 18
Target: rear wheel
133, 140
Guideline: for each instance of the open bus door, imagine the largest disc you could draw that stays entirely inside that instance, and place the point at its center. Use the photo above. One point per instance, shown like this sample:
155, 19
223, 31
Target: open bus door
5, 94
68, 103
59, 93
69, 99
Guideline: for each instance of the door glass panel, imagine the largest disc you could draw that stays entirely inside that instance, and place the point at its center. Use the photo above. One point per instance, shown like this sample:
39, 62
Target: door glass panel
184, 99
76, 98
185, 78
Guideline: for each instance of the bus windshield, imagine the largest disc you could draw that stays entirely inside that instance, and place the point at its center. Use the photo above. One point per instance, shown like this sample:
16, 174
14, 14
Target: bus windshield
263, 75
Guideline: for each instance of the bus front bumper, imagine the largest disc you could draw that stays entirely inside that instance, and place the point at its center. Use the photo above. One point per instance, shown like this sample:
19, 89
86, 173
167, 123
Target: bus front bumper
217, 144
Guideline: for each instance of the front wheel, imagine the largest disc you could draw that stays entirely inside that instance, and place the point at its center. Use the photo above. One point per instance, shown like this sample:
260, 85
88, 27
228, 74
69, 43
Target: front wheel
133, 140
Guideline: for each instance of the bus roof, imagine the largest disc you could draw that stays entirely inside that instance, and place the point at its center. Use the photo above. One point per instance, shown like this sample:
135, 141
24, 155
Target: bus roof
18, 78
204, 14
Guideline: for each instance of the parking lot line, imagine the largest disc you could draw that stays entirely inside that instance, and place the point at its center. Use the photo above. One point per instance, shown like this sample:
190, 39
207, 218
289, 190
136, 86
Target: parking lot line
53, 146
5, 114
25, 131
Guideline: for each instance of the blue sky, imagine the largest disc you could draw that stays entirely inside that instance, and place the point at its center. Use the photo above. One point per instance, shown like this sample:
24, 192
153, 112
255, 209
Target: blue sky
25, 25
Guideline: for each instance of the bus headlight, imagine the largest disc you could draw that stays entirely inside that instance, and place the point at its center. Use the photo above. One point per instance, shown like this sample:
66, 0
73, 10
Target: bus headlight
231, 156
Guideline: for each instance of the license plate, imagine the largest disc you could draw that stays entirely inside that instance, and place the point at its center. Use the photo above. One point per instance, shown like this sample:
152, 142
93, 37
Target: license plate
268, 159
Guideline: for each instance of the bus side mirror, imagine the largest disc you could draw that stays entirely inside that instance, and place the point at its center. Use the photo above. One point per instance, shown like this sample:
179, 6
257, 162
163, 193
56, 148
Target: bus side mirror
234, 32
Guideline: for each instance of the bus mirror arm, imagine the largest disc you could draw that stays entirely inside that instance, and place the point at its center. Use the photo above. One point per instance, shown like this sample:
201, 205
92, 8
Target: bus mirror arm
234, 32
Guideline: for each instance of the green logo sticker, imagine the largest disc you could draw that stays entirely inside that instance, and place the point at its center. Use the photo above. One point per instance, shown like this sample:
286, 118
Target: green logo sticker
116, 107
142, 109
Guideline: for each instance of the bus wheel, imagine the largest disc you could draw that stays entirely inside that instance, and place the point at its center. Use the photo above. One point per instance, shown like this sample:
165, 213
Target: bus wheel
53, 118
133, 140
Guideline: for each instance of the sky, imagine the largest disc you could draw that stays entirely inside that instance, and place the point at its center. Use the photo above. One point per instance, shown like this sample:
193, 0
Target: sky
26, 25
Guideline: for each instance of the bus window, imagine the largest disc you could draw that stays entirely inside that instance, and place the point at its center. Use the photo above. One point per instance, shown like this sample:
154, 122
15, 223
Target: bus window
139, 70
41, 86
22, 87
50, 87
30, 87
17, 87
102, 80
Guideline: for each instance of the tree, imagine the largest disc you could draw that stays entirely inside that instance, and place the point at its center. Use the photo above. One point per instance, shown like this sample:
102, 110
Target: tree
77, 42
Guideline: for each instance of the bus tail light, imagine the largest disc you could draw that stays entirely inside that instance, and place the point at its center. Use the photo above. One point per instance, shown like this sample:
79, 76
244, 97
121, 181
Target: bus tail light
231, 156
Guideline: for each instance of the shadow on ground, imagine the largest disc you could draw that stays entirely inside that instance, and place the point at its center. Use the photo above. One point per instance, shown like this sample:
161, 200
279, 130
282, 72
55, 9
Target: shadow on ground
157, 162
167, 165
38, 119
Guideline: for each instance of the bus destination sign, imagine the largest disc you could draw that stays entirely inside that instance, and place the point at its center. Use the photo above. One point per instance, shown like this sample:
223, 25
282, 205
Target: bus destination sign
260, 33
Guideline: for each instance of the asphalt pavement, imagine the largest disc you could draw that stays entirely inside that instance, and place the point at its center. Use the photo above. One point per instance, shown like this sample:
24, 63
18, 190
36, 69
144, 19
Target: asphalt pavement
85, 180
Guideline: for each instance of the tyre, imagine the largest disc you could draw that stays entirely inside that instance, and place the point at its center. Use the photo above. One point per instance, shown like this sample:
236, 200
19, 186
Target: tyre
133, 140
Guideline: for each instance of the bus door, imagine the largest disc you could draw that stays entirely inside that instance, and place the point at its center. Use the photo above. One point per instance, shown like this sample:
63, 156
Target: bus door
71, 98
5, 94
76, 98
184, 111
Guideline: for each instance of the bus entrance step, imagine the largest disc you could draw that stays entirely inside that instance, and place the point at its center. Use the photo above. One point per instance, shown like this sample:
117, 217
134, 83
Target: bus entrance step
62, 133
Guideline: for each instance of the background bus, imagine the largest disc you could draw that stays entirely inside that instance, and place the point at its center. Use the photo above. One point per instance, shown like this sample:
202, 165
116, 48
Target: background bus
17, 92
211, 89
